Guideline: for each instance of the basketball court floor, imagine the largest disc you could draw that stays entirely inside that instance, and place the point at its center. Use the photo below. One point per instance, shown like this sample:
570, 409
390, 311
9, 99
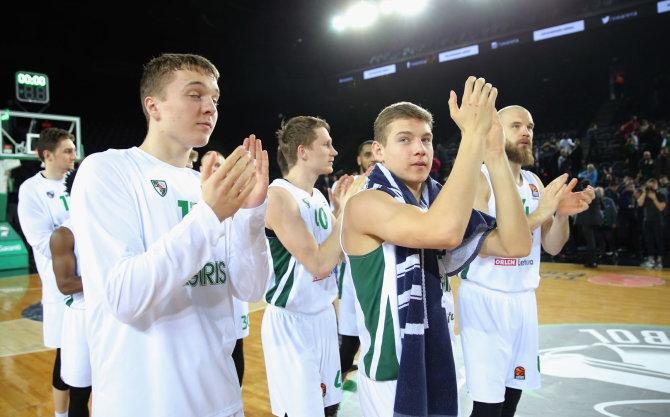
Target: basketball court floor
604, 348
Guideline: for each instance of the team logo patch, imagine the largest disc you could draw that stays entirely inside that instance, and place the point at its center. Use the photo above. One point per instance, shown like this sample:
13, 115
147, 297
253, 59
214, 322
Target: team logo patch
519, 373
160, 186
534, 190
306, 201
505, 262
323, 389
50, 194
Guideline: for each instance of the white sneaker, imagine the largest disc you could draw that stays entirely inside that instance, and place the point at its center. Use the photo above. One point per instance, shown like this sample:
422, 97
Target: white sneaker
658, 265
647, 264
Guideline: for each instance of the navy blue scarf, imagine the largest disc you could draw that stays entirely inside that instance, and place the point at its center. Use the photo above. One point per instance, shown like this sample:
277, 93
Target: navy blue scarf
426, 383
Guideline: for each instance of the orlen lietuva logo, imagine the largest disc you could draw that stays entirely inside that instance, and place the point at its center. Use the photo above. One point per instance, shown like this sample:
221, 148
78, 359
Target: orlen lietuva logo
160, 186
534, 191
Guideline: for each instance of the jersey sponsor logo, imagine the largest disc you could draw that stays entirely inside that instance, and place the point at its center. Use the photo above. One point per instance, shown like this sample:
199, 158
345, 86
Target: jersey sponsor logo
213, 273
505, 262
512, 262
534, 191
50, 194
519, 373
160, 186
306, 201
323, 389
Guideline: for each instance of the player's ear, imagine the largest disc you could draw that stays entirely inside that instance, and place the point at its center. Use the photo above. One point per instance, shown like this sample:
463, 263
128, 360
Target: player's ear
378, 151
301, 152
151, 105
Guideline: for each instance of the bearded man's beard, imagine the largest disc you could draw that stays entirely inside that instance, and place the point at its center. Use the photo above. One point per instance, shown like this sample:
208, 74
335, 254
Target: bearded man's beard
523, 156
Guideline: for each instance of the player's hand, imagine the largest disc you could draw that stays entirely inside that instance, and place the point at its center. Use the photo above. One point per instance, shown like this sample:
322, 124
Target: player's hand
475, 113
226, 189
495, 140
573, 203
336, 195
552, 194
262, 174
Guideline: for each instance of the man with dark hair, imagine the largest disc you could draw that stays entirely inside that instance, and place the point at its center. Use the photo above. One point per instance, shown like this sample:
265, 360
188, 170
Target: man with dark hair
161, 256
653, 203
43, 207
75, 359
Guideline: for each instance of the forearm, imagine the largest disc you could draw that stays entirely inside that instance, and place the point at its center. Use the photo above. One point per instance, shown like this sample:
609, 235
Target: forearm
448, 211
329, 252
511, 219
248, 259
557, 233
70, 284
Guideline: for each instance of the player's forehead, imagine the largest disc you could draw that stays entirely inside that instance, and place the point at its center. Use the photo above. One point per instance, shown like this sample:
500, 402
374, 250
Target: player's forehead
411, 126
65, 143
366, 149
183, 79
515, 114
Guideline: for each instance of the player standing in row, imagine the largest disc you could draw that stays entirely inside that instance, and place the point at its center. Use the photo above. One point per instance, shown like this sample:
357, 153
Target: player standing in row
75, 367
406, 233
161, 256
43, 207
299, 328
497, 308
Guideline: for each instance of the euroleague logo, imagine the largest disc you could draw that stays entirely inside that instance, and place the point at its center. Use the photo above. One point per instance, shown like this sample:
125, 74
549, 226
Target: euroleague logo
519, 373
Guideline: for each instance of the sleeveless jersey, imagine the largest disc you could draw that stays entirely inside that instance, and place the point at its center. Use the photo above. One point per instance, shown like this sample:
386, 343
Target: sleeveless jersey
43, 207
291, 286
376, 302
510, 274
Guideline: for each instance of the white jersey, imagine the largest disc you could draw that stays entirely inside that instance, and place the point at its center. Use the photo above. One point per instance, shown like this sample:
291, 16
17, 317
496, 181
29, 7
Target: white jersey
292, 286
510, 274
43, 207
159, 273
241, 309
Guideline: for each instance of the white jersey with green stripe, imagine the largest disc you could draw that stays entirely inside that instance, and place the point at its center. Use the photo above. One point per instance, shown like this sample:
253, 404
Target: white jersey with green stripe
43, 207
375, 293
291, 285
76, 300
510, 274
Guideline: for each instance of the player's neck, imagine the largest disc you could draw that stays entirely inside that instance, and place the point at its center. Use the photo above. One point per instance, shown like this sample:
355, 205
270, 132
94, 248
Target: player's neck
171, 153
516, 172
301, 178
53, 173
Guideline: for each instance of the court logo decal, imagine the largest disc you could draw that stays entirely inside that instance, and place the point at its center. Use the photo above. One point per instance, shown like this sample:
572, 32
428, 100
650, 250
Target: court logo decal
612, 366
160, 186
620, 280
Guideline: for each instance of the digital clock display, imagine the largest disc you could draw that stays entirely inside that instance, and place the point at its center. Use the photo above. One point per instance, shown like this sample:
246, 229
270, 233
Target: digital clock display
32, 87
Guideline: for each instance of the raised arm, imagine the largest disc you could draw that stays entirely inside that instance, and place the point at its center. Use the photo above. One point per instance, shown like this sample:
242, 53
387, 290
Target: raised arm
511, 238
65, 261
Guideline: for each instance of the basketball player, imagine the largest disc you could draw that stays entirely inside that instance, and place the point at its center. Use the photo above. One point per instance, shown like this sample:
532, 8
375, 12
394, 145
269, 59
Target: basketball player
75, 359
405, 233
161, 256
497, 309
240, 308
299, 328
44, 206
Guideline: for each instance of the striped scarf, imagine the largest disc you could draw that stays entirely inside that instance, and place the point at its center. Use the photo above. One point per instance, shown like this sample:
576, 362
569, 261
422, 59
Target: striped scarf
426, 383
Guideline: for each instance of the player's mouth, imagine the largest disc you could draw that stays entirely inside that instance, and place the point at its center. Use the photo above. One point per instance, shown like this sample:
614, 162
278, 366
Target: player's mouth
207, 125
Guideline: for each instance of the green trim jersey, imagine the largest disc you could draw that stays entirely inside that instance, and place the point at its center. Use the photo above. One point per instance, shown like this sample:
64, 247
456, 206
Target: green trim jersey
43, 207
159, 271
375, 294
291, 285
510, 274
